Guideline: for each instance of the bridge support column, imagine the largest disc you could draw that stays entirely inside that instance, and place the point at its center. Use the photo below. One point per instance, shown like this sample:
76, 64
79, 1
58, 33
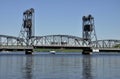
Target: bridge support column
28, 51
87, 51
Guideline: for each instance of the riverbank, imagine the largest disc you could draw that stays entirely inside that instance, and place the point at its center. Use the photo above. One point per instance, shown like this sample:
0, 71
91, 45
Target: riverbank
58, 50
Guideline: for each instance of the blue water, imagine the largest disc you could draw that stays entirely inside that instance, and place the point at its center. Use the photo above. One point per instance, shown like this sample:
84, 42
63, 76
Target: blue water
16, 65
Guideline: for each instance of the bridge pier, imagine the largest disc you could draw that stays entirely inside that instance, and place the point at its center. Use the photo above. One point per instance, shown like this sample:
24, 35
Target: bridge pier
87, 51
28, 51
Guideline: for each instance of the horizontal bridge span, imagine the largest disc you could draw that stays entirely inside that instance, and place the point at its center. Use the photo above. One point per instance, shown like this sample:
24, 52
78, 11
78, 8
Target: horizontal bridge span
15, 48
56, 40
67, 40
107, 43
109, 49
6, 40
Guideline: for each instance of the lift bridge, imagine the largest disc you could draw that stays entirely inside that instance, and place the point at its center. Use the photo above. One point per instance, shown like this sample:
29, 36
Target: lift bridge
28, 41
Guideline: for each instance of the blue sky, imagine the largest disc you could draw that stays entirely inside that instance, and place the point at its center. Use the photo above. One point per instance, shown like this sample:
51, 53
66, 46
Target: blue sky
62, 16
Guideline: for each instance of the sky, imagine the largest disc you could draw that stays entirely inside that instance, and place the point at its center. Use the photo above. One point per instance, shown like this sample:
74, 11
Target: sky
54, 17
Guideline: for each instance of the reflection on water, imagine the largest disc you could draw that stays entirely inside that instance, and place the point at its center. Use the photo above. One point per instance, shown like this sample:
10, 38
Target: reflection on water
28, 67
86, 61
59, 66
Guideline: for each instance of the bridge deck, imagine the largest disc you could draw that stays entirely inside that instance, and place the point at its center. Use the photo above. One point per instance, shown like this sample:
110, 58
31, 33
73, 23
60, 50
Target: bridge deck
109, 49
58, 47
15, 48
23, 48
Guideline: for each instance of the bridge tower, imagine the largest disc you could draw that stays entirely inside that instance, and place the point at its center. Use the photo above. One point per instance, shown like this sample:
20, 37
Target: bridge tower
27, 30
88, 30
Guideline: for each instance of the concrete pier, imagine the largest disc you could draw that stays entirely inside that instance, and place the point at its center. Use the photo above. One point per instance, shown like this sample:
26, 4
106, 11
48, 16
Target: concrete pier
87, 51
28, 52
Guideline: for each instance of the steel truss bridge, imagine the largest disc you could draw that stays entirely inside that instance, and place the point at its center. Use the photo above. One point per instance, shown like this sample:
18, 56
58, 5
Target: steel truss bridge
28, 41
56, 40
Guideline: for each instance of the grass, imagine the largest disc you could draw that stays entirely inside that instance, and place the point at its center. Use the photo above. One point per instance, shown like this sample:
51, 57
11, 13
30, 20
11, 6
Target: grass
117, 46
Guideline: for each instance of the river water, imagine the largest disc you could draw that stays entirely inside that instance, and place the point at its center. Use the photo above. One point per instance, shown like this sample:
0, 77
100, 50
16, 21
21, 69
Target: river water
16, 65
